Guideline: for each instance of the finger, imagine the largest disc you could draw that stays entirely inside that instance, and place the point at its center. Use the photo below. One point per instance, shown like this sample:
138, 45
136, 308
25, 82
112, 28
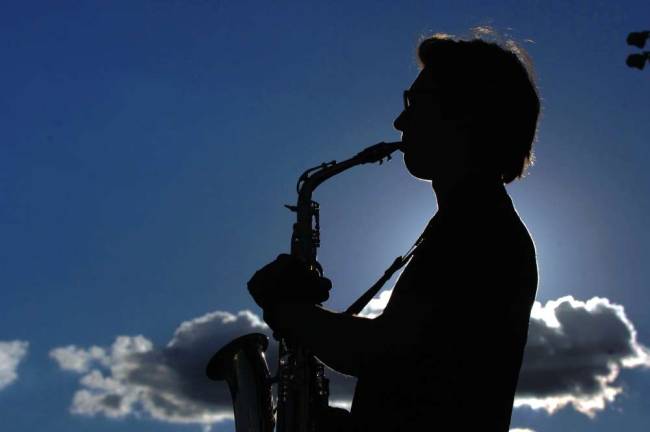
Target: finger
325, 284
282, 257
324, 287
285, 259
271, 270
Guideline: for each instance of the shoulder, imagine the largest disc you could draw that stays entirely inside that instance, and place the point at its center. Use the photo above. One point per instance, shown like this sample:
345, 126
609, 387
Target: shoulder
479, 229
488, 245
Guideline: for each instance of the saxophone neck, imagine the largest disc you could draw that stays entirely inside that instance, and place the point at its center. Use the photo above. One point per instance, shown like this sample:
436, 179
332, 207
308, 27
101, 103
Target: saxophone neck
313, 177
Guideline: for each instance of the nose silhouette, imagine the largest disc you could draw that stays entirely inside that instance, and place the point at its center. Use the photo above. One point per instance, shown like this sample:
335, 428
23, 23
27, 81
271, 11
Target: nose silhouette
399, 122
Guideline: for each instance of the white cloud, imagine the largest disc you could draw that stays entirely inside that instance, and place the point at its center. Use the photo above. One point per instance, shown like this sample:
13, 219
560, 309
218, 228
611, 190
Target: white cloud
133, 377
11, 354
573, 358
521, 430
574, 355
75, 359
377, 305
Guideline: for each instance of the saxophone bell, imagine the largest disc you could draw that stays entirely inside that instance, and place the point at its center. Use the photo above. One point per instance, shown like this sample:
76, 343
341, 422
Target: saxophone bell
243, 366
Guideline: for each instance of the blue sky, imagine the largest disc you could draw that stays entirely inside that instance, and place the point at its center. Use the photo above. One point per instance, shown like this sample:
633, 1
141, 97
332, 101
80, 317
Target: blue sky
148, 148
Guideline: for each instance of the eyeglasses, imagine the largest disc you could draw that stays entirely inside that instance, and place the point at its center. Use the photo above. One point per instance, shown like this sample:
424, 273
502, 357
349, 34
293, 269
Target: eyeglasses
409, 96
407, 99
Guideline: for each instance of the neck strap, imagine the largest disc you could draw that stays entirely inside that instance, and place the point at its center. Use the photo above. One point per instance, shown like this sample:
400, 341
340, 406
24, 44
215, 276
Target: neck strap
399, 262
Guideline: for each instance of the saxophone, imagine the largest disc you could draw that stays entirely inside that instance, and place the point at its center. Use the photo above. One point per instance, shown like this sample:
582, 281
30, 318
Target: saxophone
303, 389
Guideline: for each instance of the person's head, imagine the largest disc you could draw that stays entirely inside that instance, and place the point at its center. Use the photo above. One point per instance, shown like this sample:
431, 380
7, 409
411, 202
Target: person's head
473, 107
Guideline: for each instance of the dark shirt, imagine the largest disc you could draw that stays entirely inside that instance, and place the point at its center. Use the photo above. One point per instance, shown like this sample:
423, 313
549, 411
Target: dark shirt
454, 330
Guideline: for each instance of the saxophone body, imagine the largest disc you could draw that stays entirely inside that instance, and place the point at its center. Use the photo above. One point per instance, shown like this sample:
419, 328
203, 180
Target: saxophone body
303, 389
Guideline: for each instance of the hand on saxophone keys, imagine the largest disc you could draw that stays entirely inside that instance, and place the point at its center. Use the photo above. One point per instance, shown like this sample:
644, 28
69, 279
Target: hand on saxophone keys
288, 280
283, 285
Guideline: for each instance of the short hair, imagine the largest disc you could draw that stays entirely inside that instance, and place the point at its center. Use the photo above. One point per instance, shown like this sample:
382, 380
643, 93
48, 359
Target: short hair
495, 85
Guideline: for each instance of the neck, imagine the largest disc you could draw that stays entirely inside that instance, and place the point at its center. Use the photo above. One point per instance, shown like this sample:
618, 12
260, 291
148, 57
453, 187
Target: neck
463, 190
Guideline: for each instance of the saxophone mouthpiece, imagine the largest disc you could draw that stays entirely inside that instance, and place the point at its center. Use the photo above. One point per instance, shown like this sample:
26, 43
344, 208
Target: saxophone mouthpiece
399, 145
379, 152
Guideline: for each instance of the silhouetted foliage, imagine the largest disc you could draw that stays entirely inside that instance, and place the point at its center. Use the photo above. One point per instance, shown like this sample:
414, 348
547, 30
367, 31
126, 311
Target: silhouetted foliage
638, 39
